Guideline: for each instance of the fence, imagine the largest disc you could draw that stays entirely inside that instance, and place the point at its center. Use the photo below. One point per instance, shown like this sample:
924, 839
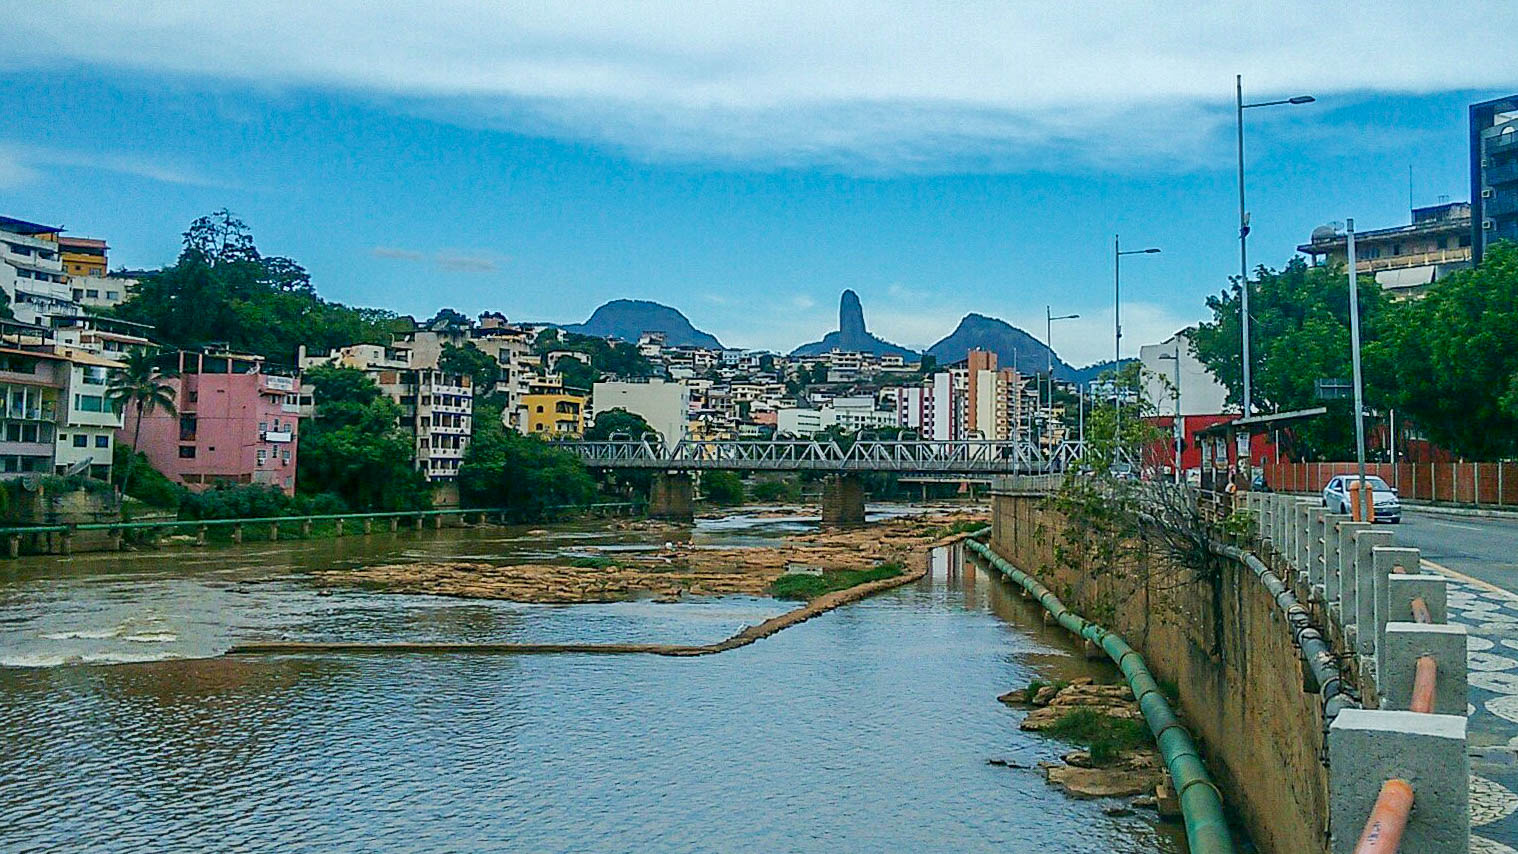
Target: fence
60, 538
1457, 483
1398, 767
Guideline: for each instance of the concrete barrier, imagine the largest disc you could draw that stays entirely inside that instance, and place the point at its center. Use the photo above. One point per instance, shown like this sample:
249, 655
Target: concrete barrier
1366, 748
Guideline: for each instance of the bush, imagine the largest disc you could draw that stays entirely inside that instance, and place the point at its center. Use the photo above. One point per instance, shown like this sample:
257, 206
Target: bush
722, 487
1104, 737
776, 491
800, 586
149, 485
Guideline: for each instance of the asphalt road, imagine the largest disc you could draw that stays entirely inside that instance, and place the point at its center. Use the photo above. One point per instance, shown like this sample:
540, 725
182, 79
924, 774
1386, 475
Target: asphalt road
1483, 548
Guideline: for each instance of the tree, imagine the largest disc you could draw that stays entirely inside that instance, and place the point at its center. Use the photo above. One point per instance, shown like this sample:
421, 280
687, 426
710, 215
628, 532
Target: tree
524, 475
618, 420
722, 487
140, 382
481, 368
1450, 359
1300, 318
576, 374
354, 448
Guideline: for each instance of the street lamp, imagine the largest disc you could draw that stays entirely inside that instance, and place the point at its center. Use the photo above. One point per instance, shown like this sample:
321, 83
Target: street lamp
1244, 229
1179, 428
1117, 323
1364, 507
1049, 318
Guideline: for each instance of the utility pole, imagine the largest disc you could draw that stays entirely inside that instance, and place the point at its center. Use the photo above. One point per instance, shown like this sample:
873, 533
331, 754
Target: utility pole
1363, 505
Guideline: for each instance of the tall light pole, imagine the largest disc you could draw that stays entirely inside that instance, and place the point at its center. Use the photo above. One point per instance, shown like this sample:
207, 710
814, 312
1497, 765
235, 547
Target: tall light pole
1244, 231
1180, 430
1364, 508
1049, 318
1117, 324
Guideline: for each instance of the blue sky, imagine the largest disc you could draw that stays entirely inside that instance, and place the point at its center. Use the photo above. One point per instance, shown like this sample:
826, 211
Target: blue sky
742, 166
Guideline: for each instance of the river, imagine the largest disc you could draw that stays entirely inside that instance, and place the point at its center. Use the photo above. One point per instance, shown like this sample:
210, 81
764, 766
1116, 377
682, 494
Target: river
865, 729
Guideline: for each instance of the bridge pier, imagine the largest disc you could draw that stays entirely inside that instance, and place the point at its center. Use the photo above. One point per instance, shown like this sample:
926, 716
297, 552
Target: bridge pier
842, 501
672, 496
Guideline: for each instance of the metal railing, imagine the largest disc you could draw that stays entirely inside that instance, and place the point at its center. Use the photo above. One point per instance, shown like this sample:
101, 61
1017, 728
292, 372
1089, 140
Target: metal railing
959, 456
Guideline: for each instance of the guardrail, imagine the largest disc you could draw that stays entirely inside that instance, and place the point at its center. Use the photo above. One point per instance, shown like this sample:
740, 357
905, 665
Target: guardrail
1401, 758
920, 456
60, 537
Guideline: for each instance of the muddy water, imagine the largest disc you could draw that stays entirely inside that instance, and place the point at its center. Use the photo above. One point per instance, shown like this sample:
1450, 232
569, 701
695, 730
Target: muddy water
866, 729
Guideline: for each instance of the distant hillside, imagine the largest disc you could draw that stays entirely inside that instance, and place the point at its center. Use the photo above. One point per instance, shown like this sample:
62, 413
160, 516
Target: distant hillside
1013, 347
1091, 372
852, 335
629, 318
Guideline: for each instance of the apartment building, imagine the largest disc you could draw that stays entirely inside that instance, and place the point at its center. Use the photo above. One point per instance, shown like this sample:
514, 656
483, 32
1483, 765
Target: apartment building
1494, 173
664, 405
237, 422
88, 423
32, 384
1403, 259
32, 273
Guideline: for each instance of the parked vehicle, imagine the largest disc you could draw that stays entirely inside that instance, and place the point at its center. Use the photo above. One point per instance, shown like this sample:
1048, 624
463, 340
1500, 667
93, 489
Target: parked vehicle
1388, 508
1259, 484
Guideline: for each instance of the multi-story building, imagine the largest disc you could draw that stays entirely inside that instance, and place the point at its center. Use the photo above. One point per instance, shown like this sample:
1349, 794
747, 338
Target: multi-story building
664, 405
87, 423
552, 414
103, 336
1404, 259
237, 422
31, 384
31, 272
1494, 173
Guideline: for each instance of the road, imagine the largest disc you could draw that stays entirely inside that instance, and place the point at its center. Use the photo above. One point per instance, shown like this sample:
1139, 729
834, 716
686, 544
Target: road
1482, 548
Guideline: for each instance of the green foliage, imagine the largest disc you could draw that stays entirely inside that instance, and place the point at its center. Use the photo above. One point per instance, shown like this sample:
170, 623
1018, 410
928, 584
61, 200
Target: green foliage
776, 491
148, 484
523, 474
1450, 359
722, 487
802, 586
592, 562
481, 367
223, 289
618, 421
354, 449
139, 383
1106, 738
618, 358
255, 501
963, 526
1300, 319
1037, 685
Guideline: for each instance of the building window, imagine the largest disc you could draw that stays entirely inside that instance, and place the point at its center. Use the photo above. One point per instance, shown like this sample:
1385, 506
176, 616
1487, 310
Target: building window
187, 452
89, 403
112, 294
263, 426
103, 441
81, 440
262, 456
284, 455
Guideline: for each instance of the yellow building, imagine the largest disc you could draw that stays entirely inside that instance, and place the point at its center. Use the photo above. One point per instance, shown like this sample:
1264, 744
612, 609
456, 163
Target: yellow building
554, 414
83, 256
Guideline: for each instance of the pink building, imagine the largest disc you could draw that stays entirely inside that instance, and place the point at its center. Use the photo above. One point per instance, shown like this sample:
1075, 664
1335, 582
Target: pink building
237, 423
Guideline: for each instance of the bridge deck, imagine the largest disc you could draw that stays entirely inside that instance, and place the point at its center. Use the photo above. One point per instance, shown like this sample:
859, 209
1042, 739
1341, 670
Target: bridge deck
964, 456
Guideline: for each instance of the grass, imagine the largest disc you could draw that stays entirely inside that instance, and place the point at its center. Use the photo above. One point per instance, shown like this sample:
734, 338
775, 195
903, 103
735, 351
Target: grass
592, 562
1104, 737
809, 587
1038, 684
963, 526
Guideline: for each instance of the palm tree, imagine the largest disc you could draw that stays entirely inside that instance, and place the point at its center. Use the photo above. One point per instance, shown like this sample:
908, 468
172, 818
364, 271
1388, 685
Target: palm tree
140, 381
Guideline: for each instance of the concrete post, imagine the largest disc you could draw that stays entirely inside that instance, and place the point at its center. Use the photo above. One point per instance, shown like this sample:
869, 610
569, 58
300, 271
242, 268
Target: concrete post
1405, 643
1403, 589
66, 543
1315, 549
437, 522
339, 528
1366, 748
842, 500
115, 534
1330, 559
305, 527
273, 531
395, 524
1365, 588
237, 533
1305, 539
1386, 561
1343, 588
200, 535
13, 545
368, 526
672, 496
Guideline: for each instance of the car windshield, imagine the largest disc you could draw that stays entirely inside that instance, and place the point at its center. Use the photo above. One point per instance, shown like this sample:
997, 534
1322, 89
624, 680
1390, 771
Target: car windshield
1376, 483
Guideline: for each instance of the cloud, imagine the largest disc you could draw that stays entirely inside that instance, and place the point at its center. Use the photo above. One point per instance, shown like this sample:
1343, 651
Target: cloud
444, 260
26, 163
909, 85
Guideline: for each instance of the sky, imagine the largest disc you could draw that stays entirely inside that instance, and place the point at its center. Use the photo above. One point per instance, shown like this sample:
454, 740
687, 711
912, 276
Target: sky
744, 162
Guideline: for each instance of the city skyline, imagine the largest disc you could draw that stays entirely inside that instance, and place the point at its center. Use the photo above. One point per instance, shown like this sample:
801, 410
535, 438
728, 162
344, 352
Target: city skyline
478, 182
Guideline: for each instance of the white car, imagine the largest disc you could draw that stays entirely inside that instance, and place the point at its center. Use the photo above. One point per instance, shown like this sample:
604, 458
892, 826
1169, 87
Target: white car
1388, 507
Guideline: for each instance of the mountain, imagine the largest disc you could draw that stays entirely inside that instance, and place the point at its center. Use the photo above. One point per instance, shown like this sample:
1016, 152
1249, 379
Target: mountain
1091, 372
1013, 347
852, 335
629, 318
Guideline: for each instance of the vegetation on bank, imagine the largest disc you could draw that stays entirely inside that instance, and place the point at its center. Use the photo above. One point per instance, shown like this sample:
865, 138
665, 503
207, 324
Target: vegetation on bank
1106, 738
808, 587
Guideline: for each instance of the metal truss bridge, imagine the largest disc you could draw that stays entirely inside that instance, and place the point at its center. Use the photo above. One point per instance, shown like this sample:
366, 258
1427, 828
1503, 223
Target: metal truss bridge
921, 456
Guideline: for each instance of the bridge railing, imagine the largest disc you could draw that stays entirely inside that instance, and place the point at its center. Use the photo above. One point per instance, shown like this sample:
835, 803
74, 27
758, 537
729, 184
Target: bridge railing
925, 455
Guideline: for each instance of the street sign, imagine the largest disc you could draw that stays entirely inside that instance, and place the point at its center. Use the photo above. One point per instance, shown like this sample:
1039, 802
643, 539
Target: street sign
1333, 388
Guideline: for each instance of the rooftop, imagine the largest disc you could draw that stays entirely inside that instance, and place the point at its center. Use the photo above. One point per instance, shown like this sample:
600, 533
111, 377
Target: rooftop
30, 229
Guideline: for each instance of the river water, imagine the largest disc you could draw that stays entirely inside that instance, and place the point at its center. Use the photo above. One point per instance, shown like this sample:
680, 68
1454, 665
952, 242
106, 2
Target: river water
865, 729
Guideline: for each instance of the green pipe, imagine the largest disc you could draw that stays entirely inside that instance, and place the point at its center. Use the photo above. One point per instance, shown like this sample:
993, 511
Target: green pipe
1201, 802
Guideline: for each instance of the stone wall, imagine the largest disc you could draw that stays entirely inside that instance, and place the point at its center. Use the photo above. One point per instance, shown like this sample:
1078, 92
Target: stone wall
1223, 644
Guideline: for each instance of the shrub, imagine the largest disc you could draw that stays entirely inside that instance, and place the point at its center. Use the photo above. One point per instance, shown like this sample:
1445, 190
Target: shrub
722, 487
806, 587
775, 491
1104, 737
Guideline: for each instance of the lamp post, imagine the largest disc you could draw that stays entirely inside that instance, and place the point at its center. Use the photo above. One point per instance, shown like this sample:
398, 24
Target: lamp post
1117, 324
1364, 508
1049, 318
1179, 426
1244, 231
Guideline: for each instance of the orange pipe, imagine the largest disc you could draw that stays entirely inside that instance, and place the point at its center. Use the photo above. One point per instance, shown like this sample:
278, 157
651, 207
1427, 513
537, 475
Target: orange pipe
1420, 611
1388, 818
1424, 682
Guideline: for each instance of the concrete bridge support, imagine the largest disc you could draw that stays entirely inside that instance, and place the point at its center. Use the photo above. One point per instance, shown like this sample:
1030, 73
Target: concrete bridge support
842, 500
672, 496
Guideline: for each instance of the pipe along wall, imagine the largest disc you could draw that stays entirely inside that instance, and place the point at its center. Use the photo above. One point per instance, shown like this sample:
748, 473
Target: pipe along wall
1201, 802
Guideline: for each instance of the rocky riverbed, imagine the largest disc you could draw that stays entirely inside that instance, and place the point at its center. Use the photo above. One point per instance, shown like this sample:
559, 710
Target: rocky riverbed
670, 572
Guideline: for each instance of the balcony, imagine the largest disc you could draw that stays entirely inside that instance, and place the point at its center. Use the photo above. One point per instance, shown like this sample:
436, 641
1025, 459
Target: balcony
1501, 143
277, 436
1507, 173
1502, 205
1415, 259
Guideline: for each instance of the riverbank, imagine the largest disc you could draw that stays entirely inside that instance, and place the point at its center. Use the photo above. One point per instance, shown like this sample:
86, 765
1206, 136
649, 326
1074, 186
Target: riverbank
669, 573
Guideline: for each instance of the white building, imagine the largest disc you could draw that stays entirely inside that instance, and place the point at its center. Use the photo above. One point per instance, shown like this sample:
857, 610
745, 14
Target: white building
87, 422
1200, 391
31, 272
664, 405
